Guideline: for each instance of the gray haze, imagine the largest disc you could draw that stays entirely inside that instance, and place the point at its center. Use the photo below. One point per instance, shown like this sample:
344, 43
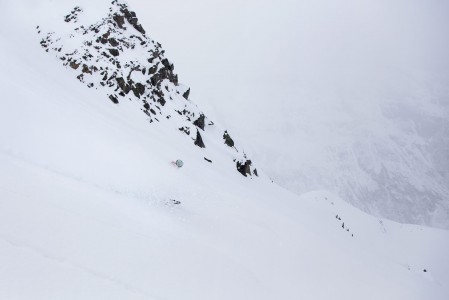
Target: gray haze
349, 96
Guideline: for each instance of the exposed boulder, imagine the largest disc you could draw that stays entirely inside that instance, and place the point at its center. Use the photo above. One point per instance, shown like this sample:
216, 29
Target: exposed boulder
244, 168
186, 94
228, 140
123, 85
167, 64
114, 52
200, 121
74, 65
73, 16
86, 69
152, 70
113, 98
140, 88
185, 129
120, 20
113, 42
199, 140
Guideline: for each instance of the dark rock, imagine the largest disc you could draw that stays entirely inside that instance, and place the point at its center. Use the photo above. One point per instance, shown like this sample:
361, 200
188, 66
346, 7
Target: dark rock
74, 65
228, 139
165, 73
113, 42
86, 69
162, 101
208, 160
167, 64
200, 122
174, 79
106, 35
245, 168
120, 20
73, 16
199, 140
152, 70
186, 130
140, 88
155, 79
255, 172
122, 84
158, 93
114, 52
132, 19
186, 94
139, 28
113, 98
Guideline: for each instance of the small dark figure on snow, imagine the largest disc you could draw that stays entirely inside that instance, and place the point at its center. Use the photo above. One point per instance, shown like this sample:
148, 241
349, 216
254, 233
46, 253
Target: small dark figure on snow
178, 163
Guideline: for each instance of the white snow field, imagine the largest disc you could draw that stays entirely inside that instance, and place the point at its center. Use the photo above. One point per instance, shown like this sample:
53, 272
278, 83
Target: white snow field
87, 211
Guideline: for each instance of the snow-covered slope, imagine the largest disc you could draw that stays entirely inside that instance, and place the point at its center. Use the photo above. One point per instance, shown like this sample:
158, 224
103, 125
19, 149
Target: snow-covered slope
348, 96
113, 54
87, 206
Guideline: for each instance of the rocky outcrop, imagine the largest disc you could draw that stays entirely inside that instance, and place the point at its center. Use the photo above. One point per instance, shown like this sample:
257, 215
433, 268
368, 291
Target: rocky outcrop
244, 167
200, 122
199, 140
228, 140
116, 56
186, 94
73, 16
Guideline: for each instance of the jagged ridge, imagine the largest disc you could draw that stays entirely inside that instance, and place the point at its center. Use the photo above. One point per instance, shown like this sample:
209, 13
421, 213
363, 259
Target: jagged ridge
116, 55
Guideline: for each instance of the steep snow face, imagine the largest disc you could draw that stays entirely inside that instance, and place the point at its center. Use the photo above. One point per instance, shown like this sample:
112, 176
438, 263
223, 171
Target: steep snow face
91, 208
349, 96
114, 55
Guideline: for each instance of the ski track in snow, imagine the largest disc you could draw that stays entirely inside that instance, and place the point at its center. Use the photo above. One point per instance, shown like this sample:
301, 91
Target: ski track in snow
63, 261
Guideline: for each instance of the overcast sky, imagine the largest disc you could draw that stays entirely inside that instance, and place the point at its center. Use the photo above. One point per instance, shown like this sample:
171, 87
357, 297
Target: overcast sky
238, 47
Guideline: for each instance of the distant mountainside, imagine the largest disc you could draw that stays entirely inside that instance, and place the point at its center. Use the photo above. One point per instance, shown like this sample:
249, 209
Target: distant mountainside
116, 56
393, 163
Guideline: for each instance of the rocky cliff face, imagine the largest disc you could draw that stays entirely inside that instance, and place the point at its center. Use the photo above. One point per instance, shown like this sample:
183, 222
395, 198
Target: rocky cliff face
115, 56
